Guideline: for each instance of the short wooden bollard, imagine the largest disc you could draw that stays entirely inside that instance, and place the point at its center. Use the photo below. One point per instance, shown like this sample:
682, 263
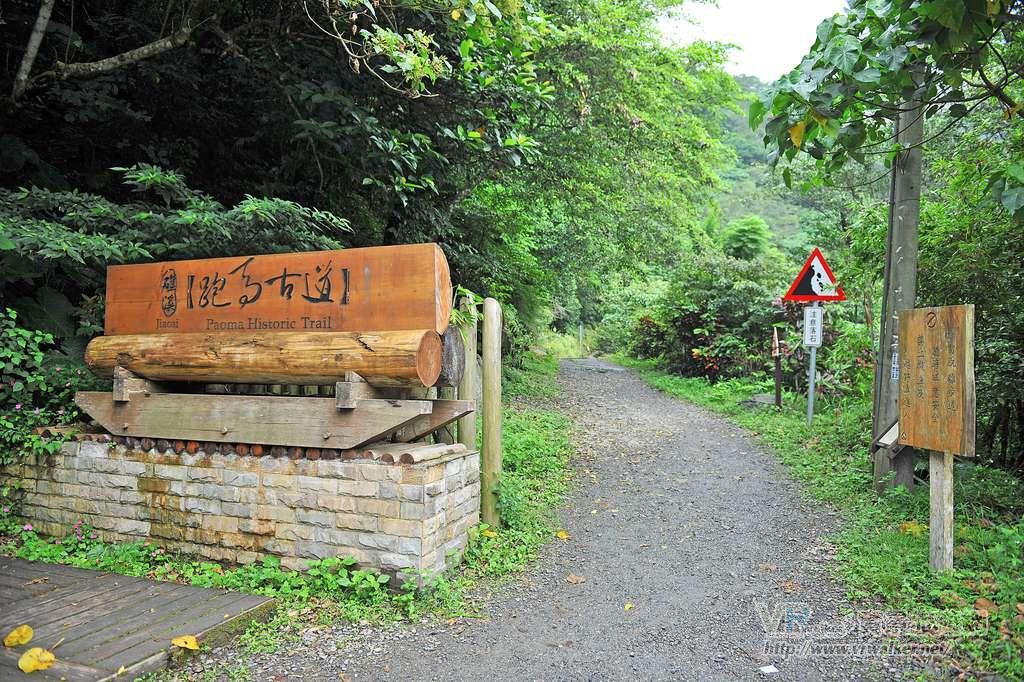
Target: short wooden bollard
467, 387
490, 453
940, 498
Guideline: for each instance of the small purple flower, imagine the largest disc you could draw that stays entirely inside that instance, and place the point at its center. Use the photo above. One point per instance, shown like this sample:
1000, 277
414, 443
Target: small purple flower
93, 536
59, 369
35, 411
7, 510
18, 406
27, 526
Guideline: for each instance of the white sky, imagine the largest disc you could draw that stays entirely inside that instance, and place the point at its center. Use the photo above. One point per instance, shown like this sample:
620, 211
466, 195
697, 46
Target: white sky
772, 35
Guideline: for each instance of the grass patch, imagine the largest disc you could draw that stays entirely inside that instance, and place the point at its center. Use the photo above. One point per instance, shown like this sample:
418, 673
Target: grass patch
882, 550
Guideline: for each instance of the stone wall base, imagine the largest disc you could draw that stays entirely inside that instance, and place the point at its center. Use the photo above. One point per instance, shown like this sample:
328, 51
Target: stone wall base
238, 509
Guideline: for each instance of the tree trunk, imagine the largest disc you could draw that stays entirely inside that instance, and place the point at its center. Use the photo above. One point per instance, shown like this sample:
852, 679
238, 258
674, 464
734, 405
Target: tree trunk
32, 49
389, 358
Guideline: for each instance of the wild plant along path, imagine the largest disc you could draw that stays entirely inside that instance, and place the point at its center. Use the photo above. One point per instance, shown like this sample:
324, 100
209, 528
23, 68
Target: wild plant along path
678, 523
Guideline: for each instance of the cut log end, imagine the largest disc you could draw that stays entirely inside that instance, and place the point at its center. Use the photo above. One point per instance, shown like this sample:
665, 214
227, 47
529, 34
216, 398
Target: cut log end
428, 358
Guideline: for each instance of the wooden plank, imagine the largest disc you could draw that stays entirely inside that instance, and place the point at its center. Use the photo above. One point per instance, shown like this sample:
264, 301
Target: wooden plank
490, 454
62, 670
136, 663
267, 420
189, 616
444, 412
381, 288
940, 517
347, 394
126, 383
936, 408
122, 619
387, 358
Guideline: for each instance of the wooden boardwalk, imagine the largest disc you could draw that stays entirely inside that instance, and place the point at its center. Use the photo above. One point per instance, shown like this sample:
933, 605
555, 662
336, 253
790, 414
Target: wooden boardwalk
108, 621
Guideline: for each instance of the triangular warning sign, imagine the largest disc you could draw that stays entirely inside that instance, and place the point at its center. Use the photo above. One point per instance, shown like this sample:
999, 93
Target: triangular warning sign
815, 282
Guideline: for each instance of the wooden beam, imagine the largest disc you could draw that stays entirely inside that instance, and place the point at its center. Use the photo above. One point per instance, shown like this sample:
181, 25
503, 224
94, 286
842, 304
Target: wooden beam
388, 358
444, 412
127, 383
490, 455
265, 420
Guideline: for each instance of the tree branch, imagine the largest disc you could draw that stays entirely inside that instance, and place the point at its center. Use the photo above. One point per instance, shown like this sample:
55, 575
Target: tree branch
90, 69
32, 49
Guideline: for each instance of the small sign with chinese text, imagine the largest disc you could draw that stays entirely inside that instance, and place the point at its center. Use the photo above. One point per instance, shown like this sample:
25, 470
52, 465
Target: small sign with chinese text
813, 317
936, 399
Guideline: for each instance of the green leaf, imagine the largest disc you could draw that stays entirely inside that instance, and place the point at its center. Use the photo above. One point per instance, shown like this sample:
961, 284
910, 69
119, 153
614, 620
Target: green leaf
843, 53
492, 9
6, 243
755, 114
1012, 199
948, 13
868, 75
465, 48
787, 177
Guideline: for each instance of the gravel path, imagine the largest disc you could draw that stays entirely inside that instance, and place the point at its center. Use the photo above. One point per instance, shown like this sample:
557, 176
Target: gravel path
680, 527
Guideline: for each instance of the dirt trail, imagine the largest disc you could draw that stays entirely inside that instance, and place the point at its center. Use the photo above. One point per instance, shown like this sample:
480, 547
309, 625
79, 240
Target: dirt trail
674, 511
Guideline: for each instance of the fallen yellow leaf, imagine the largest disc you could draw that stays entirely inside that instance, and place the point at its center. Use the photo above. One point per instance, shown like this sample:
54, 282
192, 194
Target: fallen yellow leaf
121, 671
562, 535
912, 528
456, 14
628, 606
36, 658
488, 533
18, 636
796, 134
186, 642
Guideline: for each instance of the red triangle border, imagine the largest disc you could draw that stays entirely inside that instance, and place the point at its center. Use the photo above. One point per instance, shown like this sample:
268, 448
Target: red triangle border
810, 298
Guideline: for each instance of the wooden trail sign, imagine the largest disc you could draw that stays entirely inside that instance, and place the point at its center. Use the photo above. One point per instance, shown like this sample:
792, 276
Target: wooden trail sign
379, 288
936, 352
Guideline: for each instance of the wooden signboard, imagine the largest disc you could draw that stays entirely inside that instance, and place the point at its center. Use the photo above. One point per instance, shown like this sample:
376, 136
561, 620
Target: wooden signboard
937, 379
380, 288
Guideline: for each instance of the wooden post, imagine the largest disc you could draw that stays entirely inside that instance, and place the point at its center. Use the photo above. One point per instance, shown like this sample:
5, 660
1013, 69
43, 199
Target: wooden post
940, 498
490, 454
777, 355
467, 387
899, 293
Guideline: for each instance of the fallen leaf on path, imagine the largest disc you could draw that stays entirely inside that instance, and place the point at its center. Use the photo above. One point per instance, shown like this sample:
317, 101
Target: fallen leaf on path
574, 579
562, 535
18, 636
767, 567
628, 606
186, 642
121, 671
36, 658
36, 581
984, 607
789, 587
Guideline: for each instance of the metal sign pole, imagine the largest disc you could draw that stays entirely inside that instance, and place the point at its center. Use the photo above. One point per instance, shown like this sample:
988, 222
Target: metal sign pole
810, 379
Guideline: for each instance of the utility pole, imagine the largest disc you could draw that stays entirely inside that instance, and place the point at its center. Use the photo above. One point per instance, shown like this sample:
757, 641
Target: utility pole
900, 291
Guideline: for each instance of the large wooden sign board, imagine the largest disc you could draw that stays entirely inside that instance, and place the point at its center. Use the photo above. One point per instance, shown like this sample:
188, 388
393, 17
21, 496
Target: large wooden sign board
380, 288
936, 351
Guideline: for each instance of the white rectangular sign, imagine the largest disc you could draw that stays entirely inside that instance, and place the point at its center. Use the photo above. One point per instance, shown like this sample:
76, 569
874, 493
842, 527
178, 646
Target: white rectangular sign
813, 317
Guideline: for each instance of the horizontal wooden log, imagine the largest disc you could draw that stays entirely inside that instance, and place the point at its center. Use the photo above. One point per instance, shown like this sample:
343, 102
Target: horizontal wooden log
275, 421
381, 287
411, 453
390, 358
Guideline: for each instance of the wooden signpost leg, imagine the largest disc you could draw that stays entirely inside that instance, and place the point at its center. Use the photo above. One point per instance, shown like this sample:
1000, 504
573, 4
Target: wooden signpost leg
940, 496
490, 455
467, 387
